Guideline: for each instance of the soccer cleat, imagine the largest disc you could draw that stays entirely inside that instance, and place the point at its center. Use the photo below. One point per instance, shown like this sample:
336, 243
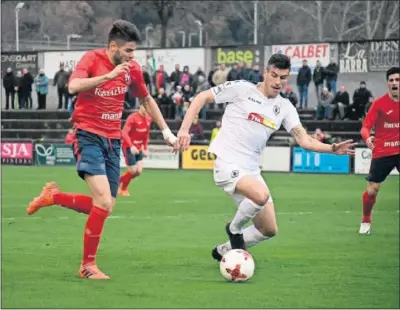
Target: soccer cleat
218, 252
45, 199
365, 229
237, 241
90, 271
123, 192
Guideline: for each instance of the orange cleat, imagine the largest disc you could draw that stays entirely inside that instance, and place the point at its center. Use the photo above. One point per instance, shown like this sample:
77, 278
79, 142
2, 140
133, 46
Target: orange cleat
45, 199
123, 192
90, 271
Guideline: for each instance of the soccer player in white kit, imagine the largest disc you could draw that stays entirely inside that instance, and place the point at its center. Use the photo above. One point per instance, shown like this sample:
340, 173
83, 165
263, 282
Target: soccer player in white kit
253, 113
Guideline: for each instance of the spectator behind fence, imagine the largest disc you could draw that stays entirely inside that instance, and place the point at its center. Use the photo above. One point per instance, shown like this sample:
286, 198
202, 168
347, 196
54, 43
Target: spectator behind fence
42, 88
175, 77
9, 87
26, 89
340, 104
245, 73
215, 130
199, 73
147, 79
196, 130
325, 101
61, 80
233, 74
165, 103
255, 76
360, 100
186, 77
221, 75
321, 136
18, 89
160, 78
331, 74
202, 86
369, 104
211, 74
303, 81
291, 95
177, 99
318, 78
187, 93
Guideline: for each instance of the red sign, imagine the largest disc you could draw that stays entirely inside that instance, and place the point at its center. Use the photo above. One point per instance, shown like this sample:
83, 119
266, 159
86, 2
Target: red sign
14, 153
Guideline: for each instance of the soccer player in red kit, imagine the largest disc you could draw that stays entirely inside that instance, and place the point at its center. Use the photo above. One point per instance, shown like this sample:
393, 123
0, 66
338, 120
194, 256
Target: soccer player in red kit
385, 145
135, 138
100, 79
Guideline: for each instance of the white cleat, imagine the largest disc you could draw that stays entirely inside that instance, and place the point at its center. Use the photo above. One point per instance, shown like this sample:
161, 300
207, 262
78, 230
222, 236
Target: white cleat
365, 229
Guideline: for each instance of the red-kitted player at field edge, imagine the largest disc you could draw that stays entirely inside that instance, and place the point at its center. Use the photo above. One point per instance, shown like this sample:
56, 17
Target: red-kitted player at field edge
135, 139
100, 80
385, 146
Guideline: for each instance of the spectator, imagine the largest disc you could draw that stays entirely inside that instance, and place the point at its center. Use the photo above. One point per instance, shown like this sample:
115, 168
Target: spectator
340, 103
67, 95
196, 130
161, 78
187, 93
211, 74
69, 138
42, 88
177, 100
61, 80
233, 74
245, 73
9, 87
331, 73
26, 89
324, 102
303, 80
291, 95
186, 77
369, 104
221, 75
175, 77
165, 103
360, 100
202, 86
18, 89
321, 136
215, 130
147, 79
240, 68
318, 78
255, 76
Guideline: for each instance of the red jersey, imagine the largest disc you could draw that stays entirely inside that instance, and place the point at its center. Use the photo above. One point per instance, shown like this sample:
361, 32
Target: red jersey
99, 110
136, 131
384, 115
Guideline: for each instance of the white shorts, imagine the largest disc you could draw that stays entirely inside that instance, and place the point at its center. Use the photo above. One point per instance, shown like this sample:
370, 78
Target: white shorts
227, 175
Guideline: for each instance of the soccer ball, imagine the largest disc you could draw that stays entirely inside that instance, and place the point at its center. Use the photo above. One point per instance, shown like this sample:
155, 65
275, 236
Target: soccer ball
237, 266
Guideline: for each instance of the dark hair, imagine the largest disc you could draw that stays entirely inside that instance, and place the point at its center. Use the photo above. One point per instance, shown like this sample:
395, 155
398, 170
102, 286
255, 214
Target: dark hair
279, 61
124, 31
392, 70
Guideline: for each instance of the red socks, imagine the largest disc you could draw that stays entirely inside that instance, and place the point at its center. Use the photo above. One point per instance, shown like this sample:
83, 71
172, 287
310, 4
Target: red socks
368, 204
77, 202
93, 229
126, 179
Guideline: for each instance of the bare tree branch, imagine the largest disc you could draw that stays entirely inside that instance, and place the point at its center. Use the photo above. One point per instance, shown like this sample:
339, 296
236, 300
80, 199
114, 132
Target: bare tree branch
393, 23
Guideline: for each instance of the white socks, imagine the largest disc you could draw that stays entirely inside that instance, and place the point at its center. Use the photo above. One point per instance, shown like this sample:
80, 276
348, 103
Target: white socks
246, 211
251, 236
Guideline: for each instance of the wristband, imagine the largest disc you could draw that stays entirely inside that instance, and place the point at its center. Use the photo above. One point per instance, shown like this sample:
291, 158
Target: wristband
166, 133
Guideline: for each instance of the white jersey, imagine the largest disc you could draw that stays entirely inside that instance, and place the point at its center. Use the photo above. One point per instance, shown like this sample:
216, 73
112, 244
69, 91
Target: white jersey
249, 120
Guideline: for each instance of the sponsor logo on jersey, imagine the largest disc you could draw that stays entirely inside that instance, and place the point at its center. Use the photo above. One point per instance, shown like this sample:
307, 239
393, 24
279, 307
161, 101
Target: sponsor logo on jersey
392, 144
391, 125
110, 93
276, 110
255, 117
254, 100
111, 116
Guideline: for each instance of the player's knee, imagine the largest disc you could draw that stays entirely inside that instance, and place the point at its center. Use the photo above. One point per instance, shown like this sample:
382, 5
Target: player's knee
105, 203
261, 198
373, 189
132, 169
139, 170
270, 231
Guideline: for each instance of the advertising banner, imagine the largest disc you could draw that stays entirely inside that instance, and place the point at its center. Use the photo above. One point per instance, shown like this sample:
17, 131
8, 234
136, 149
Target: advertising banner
160, 157
383, 55
197, 157
19, 61
353, 57
253, 55
52, 61
300, 52
275, 158
362, 161
53, 154
306, 161
15, 153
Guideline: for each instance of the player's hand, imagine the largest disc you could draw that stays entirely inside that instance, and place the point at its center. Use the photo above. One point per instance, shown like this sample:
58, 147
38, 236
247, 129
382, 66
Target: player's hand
370, 142
121, 68
145, 153
343, 148
169, 138
183, 141
134, 150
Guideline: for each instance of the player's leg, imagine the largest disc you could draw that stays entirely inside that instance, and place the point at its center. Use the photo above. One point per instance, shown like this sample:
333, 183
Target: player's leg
379, 170
135, 168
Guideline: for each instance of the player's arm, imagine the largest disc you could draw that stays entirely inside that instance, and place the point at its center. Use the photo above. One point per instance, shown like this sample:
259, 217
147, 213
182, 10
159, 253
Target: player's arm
126, 130
368, 123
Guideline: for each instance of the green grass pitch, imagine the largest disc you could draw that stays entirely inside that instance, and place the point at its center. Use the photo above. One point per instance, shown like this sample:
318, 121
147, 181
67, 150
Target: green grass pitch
156, 246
